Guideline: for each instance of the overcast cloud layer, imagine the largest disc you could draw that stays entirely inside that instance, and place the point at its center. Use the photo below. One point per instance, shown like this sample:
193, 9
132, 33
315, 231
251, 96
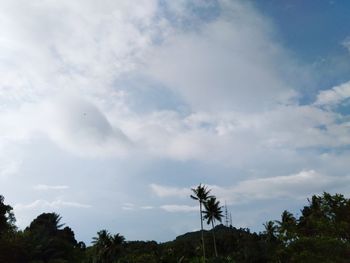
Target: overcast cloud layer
111, 111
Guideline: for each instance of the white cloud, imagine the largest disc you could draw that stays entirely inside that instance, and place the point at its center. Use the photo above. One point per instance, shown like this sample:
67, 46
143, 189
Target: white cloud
128, 206
147, 207
294, 186
72, 123
8, 168
222, 66
334, 96
346, 43
45, 187
118, 38
64, 67
179, 208
44, 204
165, 191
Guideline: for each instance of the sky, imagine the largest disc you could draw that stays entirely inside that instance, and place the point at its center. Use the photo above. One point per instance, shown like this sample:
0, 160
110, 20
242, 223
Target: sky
111, 111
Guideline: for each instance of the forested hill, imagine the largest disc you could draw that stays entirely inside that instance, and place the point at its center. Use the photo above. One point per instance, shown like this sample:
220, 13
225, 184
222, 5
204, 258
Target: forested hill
239, 244
320, 234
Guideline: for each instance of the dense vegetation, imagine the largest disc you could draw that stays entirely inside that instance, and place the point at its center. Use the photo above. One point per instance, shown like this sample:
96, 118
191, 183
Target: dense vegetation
320, 234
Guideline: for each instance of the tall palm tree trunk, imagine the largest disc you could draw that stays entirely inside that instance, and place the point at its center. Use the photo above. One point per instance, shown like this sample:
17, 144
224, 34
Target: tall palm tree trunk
200, 208
216, 251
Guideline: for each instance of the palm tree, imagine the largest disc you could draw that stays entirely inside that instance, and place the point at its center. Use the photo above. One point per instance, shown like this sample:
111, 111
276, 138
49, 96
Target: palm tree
201, 194
48, 222
287, 226
107, 246
270, 230
102, 243
117, 242
213, 212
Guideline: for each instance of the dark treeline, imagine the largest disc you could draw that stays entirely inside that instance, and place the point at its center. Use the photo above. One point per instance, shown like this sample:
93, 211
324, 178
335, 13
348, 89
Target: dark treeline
320, 234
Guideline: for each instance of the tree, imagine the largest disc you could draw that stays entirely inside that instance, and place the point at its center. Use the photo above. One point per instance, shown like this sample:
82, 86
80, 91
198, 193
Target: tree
201, 194
320, 234
107, 247
7, 218
287, 227
10, 245
46, 240
47, 222
270, 230
101, 243
213, 212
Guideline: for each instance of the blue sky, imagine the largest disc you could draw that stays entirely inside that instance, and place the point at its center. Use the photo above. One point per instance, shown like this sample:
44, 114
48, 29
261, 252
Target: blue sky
111, 111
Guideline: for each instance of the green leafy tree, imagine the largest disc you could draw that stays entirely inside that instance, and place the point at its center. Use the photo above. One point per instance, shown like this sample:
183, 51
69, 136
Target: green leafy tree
201, 194
47, 241
320, 234
213, 211
7, 218
11, 246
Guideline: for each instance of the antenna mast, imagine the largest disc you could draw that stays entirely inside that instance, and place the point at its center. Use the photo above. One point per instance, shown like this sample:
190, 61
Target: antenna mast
226, 216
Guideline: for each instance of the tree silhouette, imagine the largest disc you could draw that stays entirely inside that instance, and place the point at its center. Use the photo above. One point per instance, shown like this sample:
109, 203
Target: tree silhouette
107, 247
7, 218
213, 211
47, 222
46, 240
270, 230
201, 194
287, 227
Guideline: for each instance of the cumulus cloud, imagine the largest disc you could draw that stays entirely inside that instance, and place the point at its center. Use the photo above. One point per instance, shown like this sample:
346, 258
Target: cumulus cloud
221, 66
73, 123
122, 38
72, 72
333, 96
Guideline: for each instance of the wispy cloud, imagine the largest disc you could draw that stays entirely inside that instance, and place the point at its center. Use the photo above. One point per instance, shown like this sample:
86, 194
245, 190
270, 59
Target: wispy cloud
166, 191
129, 206
179, 208
346, 43
294, 186
45, 187
44, 204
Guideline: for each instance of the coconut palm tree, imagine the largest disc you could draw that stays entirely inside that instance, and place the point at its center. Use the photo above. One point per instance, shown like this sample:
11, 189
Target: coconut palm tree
102, 244
213, 211
270, 230
287, 227
201, 194
117, 241
107, 247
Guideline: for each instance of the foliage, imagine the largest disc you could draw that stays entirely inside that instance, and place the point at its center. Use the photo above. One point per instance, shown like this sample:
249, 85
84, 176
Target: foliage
7, 218
201, 194
107, 247
319, 234
213, 211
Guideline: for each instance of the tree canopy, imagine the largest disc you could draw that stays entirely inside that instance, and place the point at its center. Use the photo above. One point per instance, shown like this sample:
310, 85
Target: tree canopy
319, 234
